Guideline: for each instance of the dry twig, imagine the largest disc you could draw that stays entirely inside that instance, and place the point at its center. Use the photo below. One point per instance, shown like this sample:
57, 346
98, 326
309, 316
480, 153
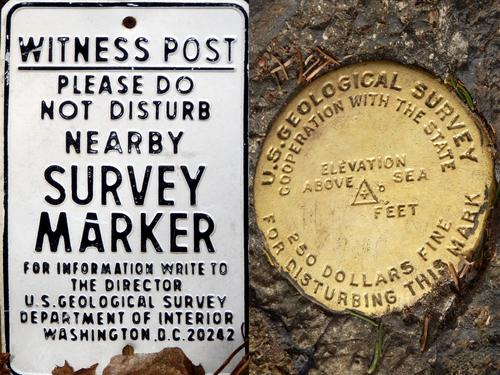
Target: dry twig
454, 276
4, 360
230, 358
281, 67
300, 77
242, 367
425, 333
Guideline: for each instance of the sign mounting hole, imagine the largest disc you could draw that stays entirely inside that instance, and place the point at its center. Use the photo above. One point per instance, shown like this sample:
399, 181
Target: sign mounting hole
129, 22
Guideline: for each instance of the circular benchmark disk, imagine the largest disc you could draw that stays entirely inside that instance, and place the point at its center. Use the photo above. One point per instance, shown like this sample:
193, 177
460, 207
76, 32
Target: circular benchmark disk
371, 181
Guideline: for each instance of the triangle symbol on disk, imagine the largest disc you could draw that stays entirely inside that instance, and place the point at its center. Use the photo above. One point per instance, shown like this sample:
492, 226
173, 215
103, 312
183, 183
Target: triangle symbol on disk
364, 195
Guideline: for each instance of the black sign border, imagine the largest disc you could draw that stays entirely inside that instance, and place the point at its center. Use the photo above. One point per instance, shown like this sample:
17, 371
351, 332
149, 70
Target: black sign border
133, 5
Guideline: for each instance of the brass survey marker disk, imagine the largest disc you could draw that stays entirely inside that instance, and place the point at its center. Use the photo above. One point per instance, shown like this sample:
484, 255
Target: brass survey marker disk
370, 182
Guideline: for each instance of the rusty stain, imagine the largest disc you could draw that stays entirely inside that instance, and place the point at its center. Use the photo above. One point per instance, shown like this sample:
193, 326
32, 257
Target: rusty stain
434, 17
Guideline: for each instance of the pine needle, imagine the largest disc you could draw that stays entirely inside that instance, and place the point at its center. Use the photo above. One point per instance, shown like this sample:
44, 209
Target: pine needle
361, 316
378, 350
461, 92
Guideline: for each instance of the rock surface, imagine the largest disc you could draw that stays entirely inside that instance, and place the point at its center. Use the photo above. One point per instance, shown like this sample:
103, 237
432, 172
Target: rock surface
289, 334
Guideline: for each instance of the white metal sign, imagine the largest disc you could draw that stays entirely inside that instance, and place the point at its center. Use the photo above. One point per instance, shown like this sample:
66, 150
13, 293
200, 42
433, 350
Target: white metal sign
125, 194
